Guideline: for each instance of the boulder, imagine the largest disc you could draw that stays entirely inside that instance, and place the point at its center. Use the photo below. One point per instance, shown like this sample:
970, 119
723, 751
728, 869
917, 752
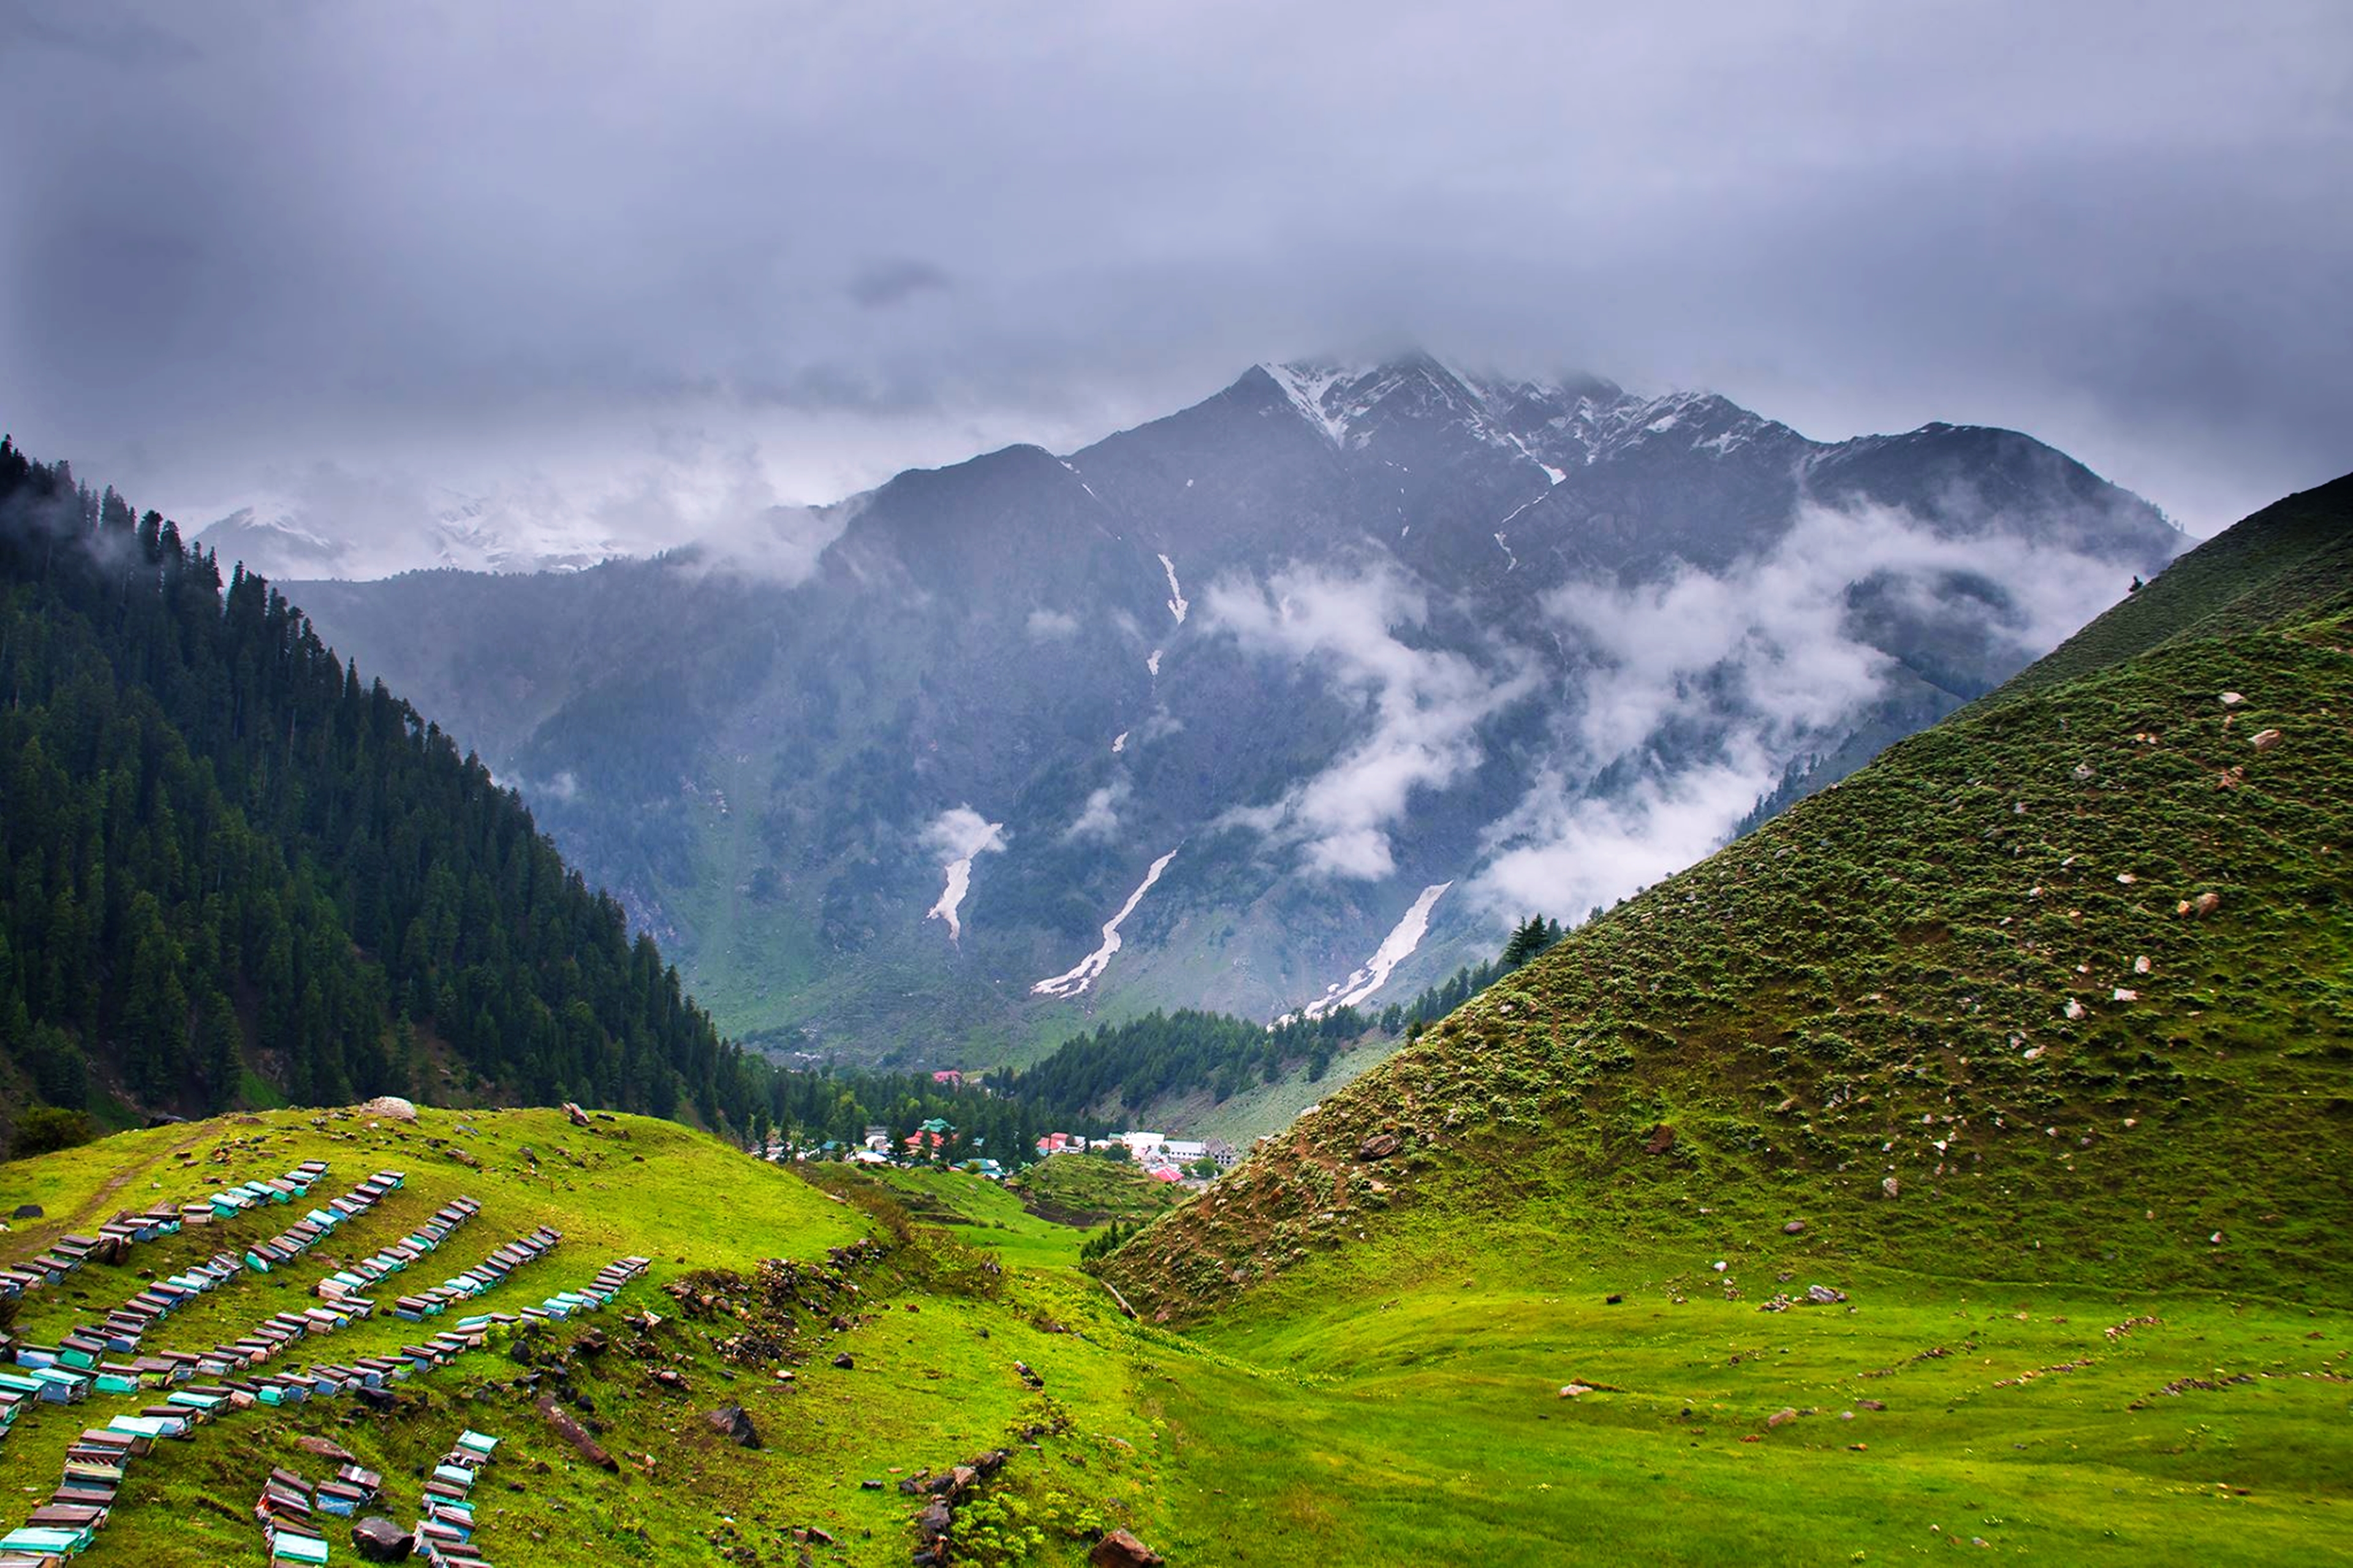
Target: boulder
389, 1108
29, 1211
378, 1540
577, 1117
1379, 1146
2264, 740
732, 1423
844, 1361
1661, 1139
1121, 1549
1823, 1296
1795, 1227
325, 1449
2205, 904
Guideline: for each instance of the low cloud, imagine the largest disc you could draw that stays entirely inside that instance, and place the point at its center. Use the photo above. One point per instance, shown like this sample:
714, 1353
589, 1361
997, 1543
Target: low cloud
960, 833
1425, 705
1704, 687
1048, 626
1100, 817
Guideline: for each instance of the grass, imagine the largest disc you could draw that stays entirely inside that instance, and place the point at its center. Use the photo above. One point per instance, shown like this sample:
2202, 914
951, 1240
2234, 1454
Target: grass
1092, 1189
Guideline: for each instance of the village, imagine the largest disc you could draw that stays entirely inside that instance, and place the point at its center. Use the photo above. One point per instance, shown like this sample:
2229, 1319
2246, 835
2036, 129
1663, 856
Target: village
936, 1144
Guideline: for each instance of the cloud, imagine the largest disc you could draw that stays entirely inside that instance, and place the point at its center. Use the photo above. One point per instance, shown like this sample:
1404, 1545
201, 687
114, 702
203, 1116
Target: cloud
882, 284
1698, 690
1047, 625
960, 833
1853, 217
1425, 705
1100, 817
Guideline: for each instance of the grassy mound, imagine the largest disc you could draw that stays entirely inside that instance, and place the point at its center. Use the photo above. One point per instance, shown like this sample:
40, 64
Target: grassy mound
1091, 1189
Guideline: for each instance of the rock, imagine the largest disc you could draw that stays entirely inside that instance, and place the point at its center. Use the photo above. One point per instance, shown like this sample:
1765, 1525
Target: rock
1781, 1417
389, 1108
2073, 1009
1661, 1139
1027, 1375
1823, 1296
731, 1422
572, 1432
1870, 1405
465, 1159
577, 1117
1889, 1187
1379, 1146
29, 1211
2127, 994
2231, 699
933, 1522
378, 1540
1575, 1390
325, 1449
1795, 1227
1121, 1549
2205, 904
843, 1361
1613, 1300
2141, 965
2264, 740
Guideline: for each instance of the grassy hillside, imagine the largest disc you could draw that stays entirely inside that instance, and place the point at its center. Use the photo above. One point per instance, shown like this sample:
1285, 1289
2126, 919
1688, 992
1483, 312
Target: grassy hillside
1951, 1014
2290, 559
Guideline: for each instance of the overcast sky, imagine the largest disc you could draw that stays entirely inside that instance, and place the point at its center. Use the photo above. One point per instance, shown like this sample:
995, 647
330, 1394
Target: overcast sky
492, 240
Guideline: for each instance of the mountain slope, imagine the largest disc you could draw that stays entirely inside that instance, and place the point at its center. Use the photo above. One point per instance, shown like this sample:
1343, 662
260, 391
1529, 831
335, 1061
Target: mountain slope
1370, 662
2061, 989
235, 873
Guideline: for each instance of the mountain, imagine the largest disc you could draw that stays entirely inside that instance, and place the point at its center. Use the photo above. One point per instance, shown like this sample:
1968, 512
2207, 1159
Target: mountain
1305, 693
2060, 991
285, 536
231, 874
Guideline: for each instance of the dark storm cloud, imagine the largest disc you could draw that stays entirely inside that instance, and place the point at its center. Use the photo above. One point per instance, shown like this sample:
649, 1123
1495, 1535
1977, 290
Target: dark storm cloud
272, 231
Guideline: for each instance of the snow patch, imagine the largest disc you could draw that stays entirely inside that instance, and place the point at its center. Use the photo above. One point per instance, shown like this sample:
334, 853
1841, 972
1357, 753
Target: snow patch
959, 835
1305, 385
1073, 981
1177, 603
1395, 948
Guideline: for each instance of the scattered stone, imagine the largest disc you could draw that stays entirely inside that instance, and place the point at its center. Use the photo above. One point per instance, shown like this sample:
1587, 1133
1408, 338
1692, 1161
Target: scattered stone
378, 1540
1661, 1139
389, 1108
576, 1434
1613, 1300
869, 1486
2205, 904
1781, 1417
1870, 1405
734, 1422
1121, 1549
1575, 1390
844, 1361
2127, 994
1795, 1227
1379, 1146
2264, 740
2231, 699
1823, 1296
1889, 1187
29, 1211
326, 1449
465, 1159
2141, 965
1028, 1376
2073, 1009
577, 1117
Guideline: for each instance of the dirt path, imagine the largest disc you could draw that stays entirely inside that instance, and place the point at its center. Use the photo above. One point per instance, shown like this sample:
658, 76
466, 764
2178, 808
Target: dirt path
95, 1205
